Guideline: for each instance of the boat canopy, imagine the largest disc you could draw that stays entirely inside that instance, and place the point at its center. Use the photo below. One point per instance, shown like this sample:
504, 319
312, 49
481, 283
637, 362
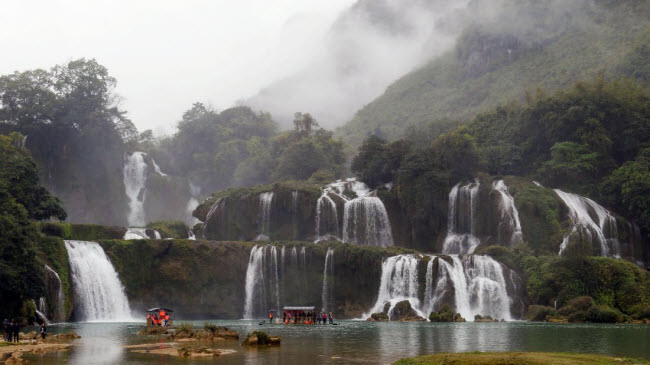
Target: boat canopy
298, 308
160, 309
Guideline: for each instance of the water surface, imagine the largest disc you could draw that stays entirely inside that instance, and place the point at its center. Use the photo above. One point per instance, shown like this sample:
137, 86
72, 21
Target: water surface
363, 342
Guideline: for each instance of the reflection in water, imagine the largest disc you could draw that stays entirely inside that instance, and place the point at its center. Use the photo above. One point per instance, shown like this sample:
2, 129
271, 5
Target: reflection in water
362, 342
102, 343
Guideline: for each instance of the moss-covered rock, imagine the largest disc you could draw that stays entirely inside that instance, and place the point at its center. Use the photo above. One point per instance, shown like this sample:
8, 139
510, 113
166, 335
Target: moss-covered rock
52, 252
170, 229
81, 232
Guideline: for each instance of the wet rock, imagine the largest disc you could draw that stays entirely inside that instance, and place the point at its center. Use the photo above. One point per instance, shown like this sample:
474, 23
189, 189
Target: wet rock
405, 313
261, 338
479, 318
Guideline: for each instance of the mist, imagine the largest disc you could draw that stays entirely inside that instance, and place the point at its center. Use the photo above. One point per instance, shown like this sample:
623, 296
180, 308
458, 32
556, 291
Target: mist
368, 47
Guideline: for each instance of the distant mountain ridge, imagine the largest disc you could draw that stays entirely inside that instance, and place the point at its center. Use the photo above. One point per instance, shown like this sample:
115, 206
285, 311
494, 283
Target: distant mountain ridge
545, 44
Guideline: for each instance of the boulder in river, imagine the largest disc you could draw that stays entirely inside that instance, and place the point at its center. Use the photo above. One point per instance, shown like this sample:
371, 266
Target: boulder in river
405, 313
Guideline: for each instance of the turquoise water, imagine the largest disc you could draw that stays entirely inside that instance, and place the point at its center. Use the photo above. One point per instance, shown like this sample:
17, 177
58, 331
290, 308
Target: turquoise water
363, 342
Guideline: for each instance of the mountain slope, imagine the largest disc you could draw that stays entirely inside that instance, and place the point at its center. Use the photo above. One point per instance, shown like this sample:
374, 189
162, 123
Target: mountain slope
542, 45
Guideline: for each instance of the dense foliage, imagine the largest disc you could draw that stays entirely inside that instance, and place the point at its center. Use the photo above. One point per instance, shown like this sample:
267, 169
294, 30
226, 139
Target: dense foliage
75, 131
592, 139
21, 201
239, 147
547, 44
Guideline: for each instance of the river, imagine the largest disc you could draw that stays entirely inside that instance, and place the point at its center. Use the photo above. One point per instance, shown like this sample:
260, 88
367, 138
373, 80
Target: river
362, 342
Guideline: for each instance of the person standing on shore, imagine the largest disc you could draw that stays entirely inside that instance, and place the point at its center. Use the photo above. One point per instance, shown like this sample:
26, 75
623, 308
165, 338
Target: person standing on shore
5, 327
331, 318
43, 330
15, 330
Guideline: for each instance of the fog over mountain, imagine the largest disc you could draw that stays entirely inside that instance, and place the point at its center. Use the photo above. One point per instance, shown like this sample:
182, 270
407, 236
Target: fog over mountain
367, 48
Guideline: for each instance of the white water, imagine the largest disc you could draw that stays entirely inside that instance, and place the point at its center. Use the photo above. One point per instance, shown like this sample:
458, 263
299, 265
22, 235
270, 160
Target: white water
461, 220
590, 222
326, 217
274, 270
156, 168
41, 311
98, 291
478, 284
192, 203
329, 264
365, 222
254, 276
509, 215
134, 233
135, 179
265, 216
399, 282
58, 315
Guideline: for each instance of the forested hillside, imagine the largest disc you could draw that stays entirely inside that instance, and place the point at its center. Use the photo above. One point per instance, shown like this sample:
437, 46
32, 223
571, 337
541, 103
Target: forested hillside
528, 45
592, 138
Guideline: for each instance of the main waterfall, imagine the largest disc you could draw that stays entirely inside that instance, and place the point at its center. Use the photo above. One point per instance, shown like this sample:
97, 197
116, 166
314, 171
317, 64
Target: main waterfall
98, 292
475, 285
461, 220
592, 223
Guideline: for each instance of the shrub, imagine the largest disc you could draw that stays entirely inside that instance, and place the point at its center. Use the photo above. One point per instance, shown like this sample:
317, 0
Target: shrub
603, 314
582, 303
641, 312
445, 314
578, 317
185, 328
262, 337
539, 312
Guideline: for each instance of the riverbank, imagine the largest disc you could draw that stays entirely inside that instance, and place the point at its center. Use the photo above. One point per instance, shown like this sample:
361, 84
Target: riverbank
525, 358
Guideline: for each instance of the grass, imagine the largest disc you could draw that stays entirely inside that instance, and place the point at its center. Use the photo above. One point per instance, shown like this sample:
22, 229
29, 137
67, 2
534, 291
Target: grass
532, 358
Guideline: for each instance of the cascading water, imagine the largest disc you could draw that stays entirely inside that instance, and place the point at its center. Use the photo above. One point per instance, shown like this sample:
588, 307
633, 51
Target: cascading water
365, 219
135, 179
399, 282
192, 203
365, 222
262, 277
329, 266
590, 222
478, 284
327, 219
133, 233
254, 281
509, 223
99, 294
55, 290
461, 224
156, 168
265, 216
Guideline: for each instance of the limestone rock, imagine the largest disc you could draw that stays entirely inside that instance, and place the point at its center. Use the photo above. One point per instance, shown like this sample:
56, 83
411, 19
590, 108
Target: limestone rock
405, 313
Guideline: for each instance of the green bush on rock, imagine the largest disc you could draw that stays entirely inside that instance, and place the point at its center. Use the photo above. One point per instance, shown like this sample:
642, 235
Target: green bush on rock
539, 313
170, 229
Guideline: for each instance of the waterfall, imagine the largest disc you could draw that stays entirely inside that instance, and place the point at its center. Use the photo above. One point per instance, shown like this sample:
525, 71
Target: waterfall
294, 256
327, 219
156, 168
461, 221
99, 294
135, 179
590, 222
254, 277
264, 216
478, 284
399, 282
294, 214
262, 279
133, 233
329, 264
41, 310
365, 222
509, 215
274, 270
57, 301
192, 203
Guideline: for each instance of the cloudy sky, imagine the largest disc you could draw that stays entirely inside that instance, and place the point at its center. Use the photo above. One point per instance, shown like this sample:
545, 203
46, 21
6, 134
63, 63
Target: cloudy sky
168, 54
